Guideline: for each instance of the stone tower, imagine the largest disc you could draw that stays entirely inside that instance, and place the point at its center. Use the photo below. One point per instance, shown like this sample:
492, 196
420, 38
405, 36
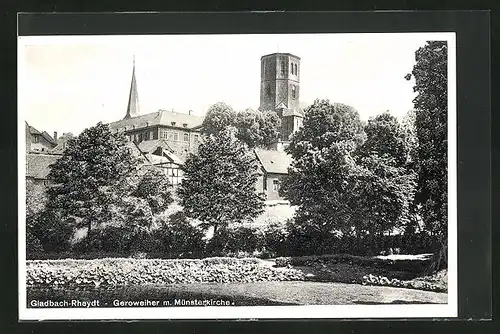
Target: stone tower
133, 98
280, 88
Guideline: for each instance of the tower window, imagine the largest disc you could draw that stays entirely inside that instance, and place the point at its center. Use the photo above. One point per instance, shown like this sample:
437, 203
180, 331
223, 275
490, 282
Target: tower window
283, 67
294, 92
291, 68
295, 66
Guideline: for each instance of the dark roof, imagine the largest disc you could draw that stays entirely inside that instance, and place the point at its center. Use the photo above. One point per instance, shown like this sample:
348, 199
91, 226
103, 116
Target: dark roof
44, 134
280, 54
161, 117
274, 161
38, 165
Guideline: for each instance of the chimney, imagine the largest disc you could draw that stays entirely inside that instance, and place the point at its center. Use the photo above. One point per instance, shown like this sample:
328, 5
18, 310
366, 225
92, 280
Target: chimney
55, 135
190, 111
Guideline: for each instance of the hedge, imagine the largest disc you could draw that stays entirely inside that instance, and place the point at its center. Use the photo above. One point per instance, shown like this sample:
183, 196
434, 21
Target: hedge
110, 273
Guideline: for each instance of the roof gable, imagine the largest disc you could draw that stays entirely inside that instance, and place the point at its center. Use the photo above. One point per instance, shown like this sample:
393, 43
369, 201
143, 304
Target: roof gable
274, 161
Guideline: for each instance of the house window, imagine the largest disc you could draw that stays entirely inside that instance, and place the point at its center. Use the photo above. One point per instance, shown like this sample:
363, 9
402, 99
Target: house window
176, 136
275, 185
195, 138
186, 137
164, 134
140, 137
35, 139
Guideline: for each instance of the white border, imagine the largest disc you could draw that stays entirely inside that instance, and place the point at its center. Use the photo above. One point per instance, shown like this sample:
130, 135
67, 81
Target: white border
246, 312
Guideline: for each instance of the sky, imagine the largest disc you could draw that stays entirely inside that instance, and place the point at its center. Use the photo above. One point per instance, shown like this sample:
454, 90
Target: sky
68, 83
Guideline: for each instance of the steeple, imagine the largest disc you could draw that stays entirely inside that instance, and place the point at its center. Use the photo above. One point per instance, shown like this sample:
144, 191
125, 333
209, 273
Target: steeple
133, 99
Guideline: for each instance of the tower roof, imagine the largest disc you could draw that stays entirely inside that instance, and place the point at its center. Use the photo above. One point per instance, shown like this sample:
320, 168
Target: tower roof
280, 54
133, 98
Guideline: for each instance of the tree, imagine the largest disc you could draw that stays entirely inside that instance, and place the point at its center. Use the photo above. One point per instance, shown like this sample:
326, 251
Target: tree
385, 137
257, 128
431, 112
219, 182
323, 172
90, 177
154, 187
386, 188
219, 117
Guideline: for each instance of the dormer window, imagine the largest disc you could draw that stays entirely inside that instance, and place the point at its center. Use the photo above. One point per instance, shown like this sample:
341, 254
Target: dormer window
185, 125
173, 123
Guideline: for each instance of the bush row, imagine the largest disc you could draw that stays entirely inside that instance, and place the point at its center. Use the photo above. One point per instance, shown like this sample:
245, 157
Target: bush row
176, 237
413, 284
406, 265
109, 273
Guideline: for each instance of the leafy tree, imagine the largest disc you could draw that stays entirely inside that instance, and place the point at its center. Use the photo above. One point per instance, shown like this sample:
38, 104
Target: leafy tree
257, 128
431, 112
323, 172
219, 182
90, 177
154, 187
385, 137
218, 117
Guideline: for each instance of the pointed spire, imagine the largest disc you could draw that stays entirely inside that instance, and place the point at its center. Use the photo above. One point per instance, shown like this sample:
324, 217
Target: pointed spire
133, 99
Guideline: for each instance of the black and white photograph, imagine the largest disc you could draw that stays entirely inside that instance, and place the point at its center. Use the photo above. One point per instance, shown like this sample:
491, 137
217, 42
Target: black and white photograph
237, 176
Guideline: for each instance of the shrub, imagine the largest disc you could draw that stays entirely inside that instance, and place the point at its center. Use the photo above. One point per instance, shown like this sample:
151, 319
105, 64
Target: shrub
176, 236
231, 240
275, 241
47, 231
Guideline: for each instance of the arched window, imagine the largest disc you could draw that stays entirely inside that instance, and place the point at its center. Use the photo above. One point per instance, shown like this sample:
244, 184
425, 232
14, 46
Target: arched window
291, 68
295, 65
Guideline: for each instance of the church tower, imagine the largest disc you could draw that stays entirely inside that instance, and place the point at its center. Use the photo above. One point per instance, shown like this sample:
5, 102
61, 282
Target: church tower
133, 98
280, 88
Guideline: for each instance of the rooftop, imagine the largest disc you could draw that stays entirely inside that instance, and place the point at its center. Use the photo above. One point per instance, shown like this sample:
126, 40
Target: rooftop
280, 54
38, 164
32, 131
161, 117
274, 161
